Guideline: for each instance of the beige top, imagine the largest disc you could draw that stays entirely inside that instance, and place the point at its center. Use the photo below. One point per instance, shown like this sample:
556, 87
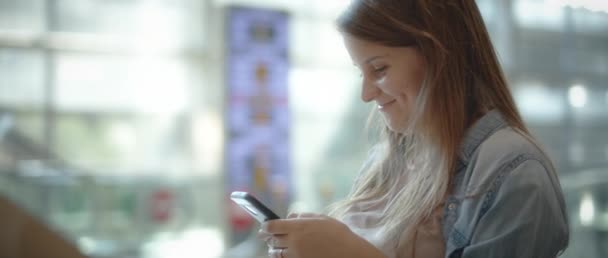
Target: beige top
427, 242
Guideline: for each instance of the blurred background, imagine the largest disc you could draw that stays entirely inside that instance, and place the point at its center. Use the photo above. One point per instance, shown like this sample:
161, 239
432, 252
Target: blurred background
125, 124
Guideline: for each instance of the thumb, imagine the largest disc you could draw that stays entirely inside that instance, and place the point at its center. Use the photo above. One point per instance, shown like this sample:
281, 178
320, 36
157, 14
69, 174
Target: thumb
294, 215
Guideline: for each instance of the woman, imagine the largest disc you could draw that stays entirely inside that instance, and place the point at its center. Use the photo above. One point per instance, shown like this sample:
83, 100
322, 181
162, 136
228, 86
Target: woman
457, 173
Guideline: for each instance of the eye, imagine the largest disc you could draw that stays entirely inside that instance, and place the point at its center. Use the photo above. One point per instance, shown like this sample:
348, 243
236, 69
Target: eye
381, 70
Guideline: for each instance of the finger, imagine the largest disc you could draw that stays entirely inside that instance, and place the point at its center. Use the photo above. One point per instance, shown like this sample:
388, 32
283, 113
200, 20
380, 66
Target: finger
296, 215
263, 235
278, 242
273, 253
278, 253
308, 215
279, 226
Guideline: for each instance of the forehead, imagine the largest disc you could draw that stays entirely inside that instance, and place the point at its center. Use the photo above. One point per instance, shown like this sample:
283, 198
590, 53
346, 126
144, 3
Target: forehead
361, 50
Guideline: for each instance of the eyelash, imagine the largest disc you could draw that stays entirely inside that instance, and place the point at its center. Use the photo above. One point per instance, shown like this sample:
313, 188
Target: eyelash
381, 69
377, 71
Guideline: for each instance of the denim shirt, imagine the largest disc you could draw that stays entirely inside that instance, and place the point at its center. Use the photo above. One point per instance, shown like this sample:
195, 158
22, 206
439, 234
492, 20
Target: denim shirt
506, 200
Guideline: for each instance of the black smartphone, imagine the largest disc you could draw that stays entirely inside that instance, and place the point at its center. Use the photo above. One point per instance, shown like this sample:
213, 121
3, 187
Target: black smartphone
253, 206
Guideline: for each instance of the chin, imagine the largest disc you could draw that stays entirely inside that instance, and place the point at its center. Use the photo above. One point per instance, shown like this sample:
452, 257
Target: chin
395, 128
395, 125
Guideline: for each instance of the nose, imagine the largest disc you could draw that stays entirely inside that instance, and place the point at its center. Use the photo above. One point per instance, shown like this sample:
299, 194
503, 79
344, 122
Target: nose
369, 91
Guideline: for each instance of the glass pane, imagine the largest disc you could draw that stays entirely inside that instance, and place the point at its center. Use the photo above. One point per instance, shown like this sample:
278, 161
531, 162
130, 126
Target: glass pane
559, 73
147, 25
102, 83
22, 92
122, 183
125, 143
317, 136
21, 78
551, 17
28, 15
316, 43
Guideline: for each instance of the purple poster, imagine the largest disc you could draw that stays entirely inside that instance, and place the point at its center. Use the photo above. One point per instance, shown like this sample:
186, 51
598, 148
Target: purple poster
257, 150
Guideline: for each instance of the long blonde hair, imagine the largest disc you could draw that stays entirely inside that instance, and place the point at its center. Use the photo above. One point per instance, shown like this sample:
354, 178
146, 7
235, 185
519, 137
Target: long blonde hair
464, 79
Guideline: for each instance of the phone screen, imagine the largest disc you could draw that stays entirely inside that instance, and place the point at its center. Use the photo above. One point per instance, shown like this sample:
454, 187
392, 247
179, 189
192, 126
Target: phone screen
253, 206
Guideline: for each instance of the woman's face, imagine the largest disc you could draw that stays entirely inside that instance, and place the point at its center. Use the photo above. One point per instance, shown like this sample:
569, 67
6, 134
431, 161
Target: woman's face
392, 78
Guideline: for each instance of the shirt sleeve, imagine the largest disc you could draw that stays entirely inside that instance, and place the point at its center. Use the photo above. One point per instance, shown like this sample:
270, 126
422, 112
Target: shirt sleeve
526, 219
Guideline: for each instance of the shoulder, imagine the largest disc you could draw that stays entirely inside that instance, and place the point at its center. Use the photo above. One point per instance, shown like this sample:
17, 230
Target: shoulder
499, 155
512, 194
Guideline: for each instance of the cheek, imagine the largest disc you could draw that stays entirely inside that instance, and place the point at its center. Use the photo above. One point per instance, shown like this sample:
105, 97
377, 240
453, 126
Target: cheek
412, 83
402, 87
412, 92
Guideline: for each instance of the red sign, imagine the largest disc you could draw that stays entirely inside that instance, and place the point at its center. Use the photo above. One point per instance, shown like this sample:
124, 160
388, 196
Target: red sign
161, 205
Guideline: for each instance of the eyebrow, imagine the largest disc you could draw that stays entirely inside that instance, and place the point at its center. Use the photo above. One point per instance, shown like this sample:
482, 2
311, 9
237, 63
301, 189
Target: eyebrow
369, 60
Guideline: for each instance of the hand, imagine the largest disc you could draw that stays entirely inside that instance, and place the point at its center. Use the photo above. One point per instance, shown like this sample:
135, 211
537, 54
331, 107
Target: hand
310, 235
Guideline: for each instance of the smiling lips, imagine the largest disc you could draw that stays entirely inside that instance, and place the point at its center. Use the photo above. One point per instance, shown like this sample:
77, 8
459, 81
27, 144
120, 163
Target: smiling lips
384, 106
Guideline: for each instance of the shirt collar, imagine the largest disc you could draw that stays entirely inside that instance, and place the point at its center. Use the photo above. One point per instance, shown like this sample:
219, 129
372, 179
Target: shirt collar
476, 134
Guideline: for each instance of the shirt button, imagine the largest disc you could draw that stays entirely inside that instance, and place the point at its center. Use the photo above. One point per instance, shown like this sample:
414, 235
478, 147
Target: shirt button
452, 206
